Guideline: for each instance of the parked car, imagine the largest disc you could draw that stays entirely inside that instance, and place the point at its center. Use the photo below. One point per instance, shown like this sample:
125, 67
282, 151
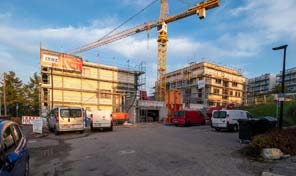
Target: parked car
101, 119
228, 119
14, 154
188, 117
66, 119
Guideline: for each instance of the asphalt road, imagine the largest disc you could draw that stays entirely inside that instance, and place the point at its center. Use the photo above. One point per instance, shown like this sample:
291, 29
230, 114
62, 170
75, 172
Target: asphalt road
146, 150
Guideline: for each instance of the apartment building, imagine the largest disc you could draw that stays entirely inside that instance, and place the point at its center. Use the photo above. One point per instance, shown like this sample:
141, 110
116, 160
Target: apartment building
208, 84
290, 79
261, 84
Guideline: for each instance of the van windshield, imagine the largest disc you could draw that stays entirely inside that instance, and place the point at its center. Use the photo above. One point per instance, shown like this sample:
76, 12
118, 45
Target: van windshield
179, 113
71, 113
220, 114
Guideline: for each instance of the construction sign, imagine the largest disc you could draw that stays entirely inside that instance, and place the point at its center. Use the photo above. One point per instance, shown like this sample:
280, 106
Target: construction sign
60, 60
28, 120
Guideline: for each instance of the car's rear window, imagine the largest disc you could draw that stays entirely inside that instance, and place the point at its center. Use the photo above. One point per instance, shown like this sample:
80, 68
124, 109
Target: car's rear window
71, 113
179, 113
220, 114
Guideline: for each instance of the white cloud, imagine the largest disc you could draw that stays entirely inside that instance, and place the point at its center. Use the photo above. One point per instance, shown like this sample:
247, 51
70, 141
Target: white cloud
238, 11
272, 18
265, 21
28, 40
4, 16
9, 62
137, 3
142, 48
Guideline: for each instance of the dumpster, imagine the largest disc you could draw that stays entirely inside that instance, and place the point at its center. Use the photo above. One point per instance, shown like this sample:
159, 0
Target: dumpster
246, 129
264, 124
249, 128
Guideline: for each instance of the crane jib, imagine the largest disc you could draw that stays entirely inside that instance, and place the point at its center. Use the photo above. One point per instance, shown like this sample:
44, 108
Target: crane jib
197, 9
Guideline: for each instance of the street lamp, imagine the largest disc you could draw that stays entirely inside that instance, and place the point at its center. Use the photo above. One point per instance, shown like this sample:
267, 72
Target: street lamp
283, 83
3, 95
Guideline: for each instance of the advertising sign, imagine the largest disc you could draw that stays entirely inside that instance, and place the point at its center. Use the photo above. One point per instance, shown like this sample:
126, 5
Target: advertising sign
60, 60
37, 126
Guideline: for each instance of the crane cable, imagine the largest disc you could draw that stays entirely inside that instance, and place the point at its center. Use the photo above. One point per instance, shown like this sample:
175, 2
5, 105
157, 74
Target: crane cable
186, 2
127, 20
130, 18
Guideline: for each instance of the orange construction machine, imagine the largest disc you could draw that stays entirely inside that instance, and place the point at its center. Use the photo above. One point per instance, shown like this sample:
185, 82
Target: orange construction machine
174, 102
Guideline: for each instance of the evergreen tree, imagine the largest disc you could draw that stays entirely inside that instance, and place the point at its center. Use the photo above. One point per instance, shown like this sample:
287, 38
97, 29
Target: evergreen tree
31, 90
14, 93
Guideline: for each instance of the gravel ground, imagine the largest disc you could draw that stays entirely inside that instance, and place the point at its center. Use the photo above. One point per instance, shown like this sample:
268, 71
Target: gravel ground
146, 150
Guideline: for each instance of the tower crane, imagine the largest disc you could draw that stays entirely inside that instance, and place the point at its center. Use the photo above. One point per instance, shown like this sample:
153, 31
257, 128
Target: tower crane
161, 24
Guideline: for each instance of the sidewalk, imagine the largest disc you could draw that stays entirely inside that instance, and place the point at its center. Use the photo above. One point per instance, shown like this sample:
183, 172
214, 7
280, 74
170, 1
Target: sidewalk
286, 167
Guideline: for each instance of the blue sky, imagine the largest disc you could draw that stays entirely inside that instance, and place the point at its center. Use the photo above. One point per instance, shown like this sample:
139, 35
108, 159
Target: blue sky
238, 34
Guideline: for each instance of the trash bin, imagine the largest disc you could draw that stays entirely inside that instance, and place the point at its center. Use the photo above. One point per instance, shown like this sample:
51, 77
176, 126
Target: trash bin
246, 129
264, 124
249, 128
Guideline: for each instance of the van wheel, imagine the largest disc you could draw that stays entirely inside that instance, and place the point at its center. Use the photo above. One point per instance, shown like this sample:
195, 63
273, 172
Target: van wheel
217, 129
111, 128
56, 132
81, 131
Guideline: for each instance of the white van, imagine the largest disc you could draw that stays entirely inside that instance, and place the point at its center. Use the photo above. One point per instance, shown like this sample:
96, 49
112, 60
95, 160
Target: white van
101, 119
227, 119
66, 119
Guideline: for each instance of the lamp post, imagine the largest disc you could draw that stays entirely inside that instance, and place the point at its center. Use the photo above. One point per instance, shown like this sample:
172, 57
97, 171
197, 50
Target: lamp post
283, 83
3, 95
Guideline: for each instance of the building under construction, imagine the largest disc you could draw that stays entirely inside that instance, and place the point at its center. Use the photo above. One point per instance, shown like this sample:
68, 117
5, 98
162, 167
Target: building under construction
67, 80
208, 84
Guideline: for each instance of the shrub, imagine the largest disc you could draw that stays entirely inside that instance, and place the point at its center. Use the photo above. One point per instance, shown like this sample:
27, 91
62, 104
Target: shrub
285, 140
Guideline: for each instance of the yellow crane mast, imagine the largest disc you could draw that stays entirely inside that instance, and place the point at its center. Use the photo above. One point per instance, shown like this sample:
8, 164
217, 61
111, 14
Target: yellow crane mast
162, 52
199, 9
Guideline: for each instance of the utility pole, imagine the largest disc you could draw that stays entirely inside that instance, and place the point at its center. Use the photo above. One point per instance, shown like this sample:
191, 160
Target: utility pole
4, 93
1, 104
283, 84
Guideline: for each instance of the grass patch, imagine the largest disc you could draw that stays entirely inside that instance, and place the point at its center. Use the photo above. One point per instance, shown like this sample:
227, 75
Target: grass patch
270, 110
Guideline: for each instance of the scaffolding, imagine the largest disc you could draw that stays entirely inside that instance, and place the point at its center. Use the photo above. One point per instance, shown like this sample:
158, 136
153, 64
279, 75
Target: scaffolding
96, 87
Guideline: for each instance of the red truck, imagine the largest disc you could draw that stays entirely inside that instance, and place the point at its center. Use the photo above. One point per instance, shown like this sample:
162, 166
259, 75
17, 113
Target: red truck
188, 117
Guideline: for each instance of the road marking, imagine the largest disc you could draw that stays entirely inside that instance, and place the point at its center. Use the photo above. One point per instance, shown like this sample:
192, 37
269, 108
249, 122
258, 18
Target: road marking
125, 152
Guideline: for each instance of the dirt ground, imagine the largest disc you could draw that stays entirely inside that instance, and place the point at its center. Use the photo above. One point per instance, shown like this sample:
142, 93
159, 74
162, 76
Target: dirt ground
147, 149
